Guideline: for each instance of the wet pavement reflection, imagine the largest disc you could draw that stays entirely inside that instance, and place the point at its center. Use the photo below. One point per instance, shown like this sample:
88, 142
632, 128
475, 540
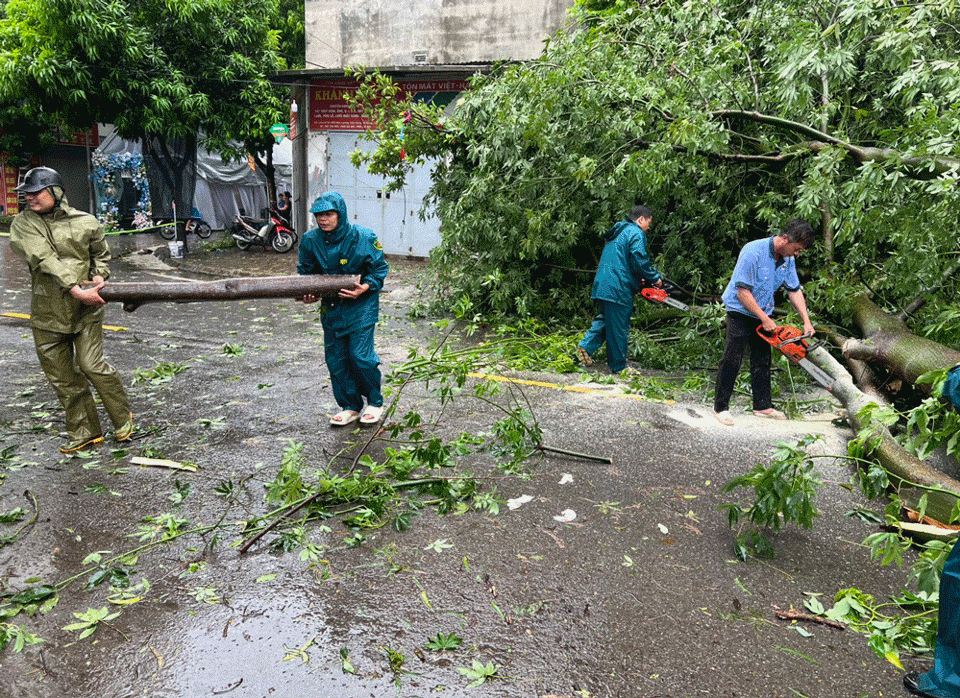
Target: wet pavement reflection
639, 595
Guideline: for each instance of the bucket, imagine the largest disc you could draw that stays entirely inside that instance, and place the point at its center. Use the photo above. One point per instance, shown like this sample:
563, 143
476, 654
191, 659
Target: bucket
176, 249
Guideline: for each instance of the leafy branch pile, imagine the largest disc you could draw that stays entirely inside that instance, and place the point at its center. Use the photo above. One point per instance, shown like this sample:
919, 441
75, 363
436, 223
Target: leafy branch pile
785, 490
387, 477
728, 118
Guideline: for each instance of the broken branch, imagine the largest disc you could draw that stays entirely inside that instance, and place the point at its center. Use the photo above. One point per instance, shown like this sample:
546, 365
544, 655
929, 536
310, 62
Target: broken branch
793, 614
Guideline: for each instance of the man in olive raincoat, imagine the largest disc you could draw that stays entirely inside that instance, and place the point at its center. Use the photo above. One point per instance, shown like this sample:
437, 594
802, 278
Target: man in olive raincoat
64, 247
943, 680
623, 270
336, 246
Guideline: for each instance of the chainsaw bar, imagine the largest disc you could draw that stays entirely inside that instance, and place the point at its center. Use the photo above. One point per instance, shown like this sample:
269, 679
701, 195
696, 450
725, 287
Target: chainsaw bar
817, 373
658, 295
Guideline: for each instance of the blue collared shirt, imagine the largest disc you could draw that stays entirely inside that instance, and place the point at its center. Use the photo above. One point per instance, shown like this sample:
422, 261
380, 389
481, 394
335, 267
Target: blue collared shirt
759, 272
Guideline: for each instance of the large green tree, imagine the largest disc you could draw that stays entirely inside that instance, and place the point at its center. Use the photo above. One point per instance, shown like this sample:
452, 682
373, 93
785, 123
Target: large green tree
728, 117
156, 69
293, 47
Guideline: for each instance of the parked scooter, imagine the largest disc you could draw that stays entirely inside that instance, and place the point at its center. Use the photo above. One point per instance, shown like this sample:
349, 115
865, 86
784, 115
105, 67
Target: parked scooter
272, 232
193, 224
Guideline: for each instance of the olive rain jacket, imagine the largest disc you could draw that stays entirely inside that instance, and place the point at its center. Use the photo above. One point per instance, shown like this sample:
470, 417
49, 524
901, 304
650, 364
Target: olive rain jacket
62, 248
624, 265
348, 249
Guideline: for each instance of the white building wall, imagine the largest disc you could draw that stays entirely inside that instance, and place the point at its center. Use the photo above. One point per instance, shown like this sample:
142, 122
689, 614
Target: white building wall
403, 34
382, 33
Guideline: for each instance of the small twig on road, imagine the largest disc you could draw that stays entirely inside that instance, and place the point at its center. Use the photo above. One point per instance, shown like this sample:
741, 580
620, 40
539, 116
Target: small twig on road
584, 456
800, 615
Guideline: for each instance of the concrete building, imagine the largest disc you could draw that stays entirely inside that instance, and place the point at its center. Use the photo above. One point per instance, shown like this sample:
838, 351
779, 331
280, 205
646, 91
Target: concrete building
430, 47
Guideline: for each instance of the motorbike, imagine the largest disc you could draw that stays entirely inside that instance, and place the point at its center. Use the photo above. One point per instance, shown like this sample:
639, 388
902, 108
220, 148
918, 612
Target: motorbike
273, 232
193, 224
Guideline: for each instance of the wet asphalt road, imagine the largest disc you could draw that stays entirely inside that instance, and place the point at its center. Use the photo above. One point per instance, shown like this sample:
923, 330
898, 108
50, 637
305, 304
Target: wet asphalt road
639, 595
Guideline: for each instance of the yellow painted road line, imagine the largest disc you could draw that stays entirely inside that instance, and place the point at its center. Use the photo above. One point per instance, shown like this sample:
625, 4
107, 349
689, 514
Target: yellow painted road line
24, 316
559, 386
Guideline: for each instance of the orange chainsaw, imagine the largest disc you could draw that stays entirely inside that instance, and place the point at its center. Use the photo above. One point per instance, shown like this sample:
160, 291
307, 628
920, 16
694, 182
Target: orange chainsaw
659, 295
791, 343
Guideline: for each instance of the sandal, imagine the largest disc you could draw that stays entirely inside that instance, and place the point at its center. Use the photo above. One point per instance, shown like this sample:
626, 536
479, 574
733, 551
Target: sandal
770, 413
371, 415
344, 417
123, 433
724, 418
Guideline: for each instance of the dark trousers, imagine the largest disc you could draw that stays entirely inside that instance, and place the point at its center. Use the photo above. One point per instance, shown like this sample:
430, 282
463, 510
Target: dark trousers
741, 333
612, 326
354, 368
944, 678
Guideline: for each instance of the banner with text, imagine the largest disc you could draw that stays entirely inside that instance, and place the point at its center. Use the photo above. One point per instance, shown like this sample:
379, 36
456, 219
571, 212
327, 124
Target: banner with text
329, 110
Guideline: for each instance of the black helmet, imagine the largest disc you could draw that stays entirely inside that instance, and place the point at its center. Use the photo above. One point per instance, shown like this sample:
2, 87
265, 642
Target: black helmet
38, 179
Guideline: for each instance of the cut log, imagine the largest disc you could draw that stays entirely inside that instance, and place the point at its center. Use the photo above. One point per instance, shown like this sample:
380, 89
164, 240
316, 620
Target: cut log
133, 295
926, 532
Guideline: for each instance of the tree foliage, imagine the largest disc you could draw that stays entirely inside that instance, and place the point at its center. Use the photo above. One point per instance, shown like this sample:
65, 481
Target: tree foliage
729, 118
150, 67
293, 47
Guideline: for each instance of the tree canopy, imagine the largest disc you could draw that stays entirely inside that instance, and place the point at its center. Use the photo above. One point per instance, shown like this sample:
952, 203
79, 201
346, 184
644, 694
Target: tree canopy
728, 118
150, 67
293, 47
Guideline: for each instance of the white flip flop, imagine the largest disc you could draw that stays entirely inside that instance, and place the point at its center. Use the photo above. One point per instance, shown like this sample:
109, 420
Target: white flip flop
724, 418
344, 417
371, 415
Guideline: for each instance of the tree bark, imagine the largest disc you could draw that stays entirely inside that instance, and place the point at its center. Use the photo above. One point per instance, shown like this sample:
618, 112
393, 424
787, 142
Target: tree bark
133, 295
902, 467
887, 342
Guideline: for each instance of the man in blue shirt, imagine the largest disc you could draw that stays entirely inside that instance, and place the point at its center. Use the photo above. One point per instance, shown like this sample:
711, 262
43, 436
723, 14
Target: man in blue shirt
623, 270
762, 268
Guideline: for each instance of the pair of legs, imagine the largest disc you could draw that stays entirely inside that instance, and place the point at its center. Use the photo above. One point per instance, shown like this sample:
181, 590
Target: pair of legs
72, 362
742, 333
943, 680
612, 326
354, 369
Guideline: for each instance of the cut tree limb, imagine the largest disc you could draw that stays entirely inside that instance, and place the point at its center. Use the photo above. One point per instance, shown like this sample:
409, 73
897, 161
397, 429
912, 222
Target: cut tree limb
809, 618
887, 342
133, 295
943, 491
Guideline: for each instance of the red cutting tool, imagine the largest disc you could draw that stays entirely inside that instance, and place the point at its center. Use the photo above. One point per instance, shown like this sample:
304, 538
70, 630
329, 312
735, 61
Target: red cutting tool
791, 343
659, 295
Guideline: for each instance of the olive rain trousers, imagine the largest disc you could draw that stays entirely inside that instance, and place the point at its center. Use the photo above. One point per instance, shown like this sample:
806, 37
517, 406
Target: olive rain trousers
71, 363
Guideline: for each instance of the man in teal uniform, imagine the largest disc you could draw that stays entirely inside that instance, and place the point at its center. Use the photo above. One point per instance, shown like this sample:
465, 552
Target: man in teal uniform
64, 247
336, 246
943, 680
623, 270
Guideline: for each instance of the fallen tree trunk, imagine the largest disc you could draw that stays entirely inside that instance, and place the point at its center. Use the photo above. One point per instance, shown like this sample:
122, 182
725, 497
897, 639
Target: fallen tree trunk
902, 467
887, 342
133, 295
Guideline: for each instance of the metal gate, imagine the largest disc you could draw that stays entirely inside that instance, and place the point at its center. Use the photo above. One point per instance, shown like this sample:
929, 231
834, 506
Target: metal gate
393, 216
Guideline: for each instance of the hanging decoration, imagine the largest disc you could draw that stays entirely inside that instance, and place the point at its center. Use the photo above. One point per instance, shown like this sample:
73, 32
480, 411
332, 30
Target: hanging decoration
403, 146
111, 174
